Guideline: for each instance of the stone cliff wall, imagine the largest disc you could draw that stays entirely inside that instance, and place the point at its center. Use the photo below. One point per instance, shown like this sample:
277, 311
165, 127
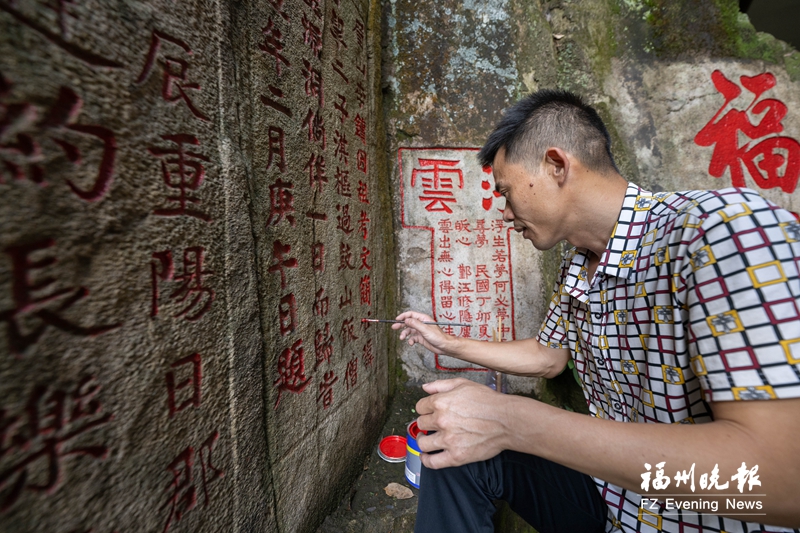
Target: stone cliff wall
191, 209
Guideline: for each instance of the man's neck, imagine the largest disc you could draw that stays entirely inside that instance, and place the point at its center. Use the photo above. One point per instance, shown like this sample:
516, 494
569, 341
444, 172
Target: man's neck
597, 203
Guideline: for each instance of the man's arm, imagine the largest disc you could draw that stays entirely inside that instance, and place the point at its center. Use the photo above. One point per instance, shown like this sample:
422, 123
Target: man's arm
523, 357
473, 423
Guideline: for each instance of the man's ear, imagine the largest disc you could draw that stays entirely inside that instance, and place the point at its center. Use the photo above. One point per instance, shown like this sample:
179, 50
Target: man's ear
557, 164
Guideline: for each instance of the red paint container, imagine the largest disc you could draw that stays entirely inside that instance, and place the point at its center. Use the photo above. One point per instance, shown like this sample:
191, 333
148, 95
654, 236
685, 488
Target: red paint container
392, 449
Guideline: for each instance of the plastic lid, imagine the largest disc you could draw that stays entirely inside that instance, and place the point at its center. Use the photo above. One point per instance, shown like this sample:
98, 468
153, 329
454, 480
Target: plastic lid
414, 430
392, 449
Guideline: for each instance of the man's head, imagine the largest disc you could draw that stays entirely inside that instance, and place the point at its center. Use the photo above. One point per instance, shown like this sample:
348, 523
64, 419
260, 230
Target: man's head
550, 118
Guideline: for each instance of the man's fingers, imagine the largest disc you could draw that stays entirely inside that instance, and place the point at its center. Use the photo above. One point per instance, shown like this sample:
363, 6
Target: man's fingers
443, 385
436, 461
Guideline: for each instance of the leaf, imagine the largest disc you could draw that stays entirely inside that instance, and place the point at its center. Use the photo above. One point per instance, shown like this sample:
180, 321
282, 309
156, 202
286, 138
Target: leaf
558, 36
398, 491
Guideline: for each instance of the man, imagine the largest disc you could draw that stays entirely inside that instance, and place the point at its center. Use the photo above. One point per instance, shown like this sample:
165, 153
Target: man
680, 312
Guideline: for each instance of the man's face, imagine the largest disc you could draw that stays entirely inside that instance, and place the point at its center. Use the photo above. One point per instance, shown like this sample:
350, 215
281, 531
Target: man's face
532, 201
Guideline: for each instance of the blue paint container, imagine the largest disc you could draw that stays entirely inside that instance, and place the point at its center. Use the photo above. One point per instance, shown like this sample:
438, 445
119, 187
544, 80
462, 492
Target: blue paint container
413, 460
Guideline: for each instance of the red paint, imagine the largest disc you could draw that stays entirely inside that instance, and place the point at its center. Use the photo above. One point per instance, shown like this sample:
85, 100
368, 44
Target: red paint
343, 182
39, 299
345, 257
281, 202
175, 71
287, 314
313, 82
193, 381
280, 261
312, 36
274, 104
321, 303
39, 436
361, 162
192, 292
341, 107
316, 172
367, 354
323, 345
437, 184
326, 389
343, 221
291, 371
22, 154
763, 159
363, 192
316, 128
184, 172
347, 333
276, 147
338, 68
365, 290
316, 6
273, 45
346, 299
318, 256
351, 373
337, 30
361, 128
160, 269
340, 147
358, 29
278, 5
365, 253
363, 225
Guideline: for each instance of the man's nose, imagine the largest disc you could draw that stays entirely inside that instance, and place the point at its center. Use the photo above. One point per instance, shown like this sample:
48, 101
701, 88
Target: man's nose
508, 214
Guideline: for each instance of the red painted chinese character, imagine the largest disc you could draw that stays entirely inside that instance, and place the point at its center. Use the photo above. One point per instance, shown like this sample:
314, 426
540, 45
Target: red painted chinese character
499, 256
500, 286
281, 202
338, 68
287, 314
482, 285
323, 345
486, 185
182, 172
340, 150
365, 289
194, 381
275, 139
316, 128
278, 5
318, 257
343, 221
174, 82
274, 104
363, 192
351, 374
337, 30
358, 28
343, 182
464, 300
291, 371
437, 183
321, 303
348, 335
361, 162
361, 128
361, 93
341, 107
182, 491
464, 271
363, 224
273, 45
21, 154
316, 172
313, 83
326, 389
280, 261
312, 36
464, 286
346, 298
445, 257
315, 6
500, 269
40, 435
191, 282
446, 302
764, 159
446, 286
37, 299
365, 253
367, 355
345, 257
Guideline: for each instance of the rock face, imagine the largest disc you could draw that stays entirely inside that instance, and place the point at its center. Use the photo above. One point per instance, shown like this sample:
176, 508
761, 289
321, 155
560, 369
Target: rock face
694, 98
192, 199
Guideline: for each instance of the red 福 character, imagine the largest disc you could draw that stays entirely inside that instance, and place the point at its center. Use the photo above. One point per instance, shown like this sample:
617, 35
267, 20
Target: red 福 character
437, 183
41, 435
193, 292
174, 82
281, 262
273, 45
764, 159
351, 374
281, 202
291, 371
193, 382
32, 299
184, 172
326, 389
182, 491
323, 345
26, 143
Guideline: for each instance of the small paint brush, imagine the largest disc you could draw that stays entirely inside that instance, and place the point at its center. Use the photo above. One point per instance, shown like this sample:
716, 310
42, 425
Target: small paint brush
383, 321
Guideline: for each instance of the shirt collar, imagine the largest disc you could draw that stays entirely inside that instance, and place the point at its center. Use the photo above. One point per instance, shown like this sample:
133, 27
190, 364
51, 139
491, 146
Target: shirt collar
623, 248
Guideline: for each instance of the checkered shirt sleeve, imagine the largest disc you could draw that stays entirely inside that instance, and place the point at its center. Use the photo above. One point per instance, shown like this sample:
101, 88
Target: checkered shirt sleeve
741, 275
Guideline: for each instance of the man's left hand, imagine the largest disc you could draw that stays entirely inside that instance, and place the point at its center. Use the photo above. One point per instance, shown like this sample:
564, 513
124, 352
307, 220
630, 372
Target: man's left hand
469, 420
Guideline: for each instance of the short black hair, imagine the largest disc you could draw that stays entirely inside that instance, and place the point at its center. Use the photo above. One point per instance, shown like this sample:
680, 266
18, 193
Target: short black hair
551, 117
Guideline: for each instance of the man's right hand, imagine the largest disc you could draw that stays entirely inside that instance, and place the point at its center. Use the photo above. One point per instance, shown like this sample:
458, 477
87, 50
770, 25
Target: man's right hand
429, 336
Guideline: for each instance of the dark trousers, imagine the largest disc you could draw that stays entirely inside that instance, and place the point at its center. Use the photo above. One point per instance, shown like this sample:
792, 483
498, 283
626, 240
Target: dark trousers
549, 496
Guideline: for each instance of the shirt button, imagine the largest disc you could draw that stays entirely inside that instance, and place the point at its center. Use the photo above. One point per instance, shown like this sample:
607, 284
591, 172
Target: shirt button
597, 315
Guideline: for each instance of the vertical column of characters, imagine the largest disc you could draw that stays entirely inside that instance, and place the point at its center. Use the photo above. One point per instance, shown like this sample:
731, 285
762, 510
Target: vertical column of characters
182, 280
283, 216
49, 148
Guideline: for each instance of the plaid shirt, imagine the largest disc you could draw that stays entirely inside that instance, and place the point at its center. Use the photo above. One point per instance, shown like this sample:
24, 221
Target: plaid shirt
695, 299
